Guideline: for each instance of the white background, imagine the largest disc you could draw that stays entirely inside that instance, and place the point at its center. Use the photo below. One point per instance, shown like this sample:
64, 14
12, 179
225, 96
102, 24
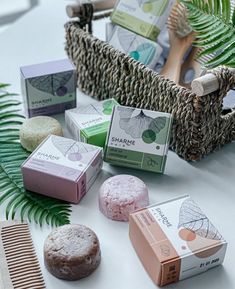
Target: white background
39, 37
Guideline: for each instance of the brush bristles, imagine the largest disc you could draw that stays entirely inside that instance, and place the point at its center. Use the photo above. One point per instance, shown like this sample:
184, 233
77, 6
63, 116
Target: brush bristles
21, 259
178, 21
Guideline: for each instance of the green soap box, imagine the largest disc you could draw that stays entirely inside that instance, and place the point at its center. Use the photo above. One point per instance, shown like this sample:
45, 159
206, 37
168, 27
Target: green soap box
144, 17
138, 138
90, 123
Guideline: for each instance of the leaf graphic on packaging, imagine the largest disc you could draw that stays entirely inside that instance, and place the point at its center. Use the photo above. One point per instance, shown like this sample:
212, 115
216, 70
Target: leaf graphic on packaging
157, 124
141, 125
77, 151
146, 52
135, 126
125, 38
87, 109
43, 83
125, 112
53, 84
99, 108
62, 144
71, 149
192, 218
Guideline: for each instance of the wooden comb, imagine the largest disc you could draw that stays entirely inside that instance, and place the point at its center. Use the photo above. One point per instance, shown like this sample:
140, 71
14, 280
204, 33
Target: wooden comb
19, 267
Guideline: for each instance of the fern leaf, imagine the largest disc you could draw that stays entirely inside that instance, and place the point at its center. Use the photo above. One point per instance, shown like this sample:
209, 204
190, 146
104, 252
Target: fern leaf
213, 22
17, 200
233, 18
4, 85
38, 208
7, 94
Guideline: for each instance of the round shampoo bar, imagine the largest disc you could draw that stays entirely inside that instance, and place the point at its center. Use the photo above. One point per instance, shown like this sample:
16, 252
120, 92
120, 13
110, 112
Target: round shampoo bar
71, 252
34, 130
121, 195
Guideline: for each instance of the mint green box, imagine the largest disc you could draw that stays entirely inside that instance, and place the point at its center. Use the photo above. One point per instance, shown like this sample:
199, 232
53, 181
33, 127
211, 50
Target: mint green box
144, 17
138, 138
90, 123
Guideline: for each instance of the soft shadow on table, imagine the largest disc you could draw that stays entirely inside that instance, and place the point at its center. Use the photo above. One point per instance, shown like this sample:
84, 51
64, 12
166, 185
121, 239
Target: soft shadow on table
218, 160
213, 278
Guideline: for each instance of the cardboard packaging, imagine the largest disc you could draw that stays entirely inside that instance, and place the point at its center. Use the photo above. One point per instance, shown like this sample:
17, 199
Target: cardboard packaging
48, 88
90, 123
144, 17
62, 168
175, 240
138, 47
138, 138
109, 27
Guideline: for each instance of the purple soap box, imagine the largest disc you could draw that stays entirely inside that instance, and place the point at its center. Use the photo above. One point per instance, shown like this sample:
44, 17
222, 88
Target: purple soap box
62, 168
48, 88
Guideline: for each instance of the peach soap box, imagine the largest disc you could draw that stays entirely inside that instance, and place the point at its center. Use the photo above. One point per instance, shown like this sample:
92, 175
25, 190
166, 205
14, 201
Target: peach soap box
62, 168
175, 240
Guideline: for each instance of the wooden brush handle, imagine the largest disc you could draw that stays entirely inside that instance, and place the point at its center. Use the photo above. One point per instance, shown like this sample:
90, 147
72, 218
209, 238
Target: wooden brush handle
98, 5
171, 69
206, 84
190, 64
179, 46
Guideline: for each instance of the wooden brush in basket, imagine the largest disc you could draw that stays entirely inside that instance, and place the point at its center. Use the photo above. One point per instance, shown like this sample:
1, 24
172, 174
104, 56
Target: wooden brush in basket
200, 126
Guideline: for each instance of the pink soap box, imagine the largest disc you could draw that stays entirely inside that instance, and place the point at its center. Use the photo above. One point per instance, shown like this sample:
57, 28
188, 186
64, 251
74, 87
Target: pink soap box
62, 168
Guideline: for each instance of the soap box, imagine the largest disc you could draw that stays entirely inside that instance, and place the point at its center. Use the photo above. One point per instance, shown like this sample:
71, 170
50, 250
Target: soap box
175, 240
48, 88
90, 123
109, 27
62, 168
138, 138
138, 47
146, 18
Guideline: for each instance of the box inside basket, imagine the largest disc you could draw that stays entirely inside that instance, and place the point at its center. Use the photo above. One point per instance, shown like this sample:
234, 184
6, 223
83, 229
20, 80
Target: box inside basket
106, 72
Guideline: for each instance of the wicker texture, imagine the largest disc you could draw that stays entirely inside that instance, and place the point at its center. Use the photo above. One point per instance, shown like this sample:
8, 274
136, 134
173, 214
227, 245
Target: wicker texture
103, 72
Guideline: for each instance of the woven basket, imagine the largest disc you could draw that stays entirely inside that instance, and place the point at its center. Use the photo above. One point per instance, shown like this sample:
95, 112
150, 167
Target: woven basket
200, 126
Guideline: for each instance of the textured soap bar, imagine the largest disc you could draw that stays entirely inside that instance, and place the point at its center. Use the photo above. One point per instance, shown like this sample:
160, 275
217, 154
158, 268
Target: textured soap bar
121, 195
36, 129
72, 252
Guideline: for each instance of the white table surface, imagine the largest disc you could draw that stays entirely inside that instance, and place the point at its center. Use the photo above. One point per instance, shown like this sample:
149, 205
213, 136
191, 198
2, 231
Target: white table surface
39, 37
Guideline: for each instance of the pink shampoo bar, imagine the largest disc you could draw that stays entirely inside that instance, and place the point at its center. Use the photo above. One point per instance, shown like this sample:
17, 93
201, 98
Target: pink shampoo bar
62, 168
121, 195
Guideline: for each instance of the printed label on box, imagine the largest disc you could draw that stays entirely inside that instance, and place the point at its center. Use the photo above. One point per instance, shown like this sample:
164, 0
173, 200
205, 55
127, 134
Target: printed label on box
90, 123
144, 17
76, 163
48, 88
182, 238
138, 138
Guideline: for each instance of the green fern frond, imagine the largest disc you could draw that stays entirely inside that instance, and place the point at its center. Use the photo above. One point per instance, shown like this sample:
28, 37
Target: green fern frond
214, 24
16, 199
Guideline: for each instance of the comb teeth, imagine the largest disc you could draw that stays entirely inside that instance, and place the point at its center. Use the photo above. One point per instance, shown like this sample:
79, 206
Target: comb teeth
22, 263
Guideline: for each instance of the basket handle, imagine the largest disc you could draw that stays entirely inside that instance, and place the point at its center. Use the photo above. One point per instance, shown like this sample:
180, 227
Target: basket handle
210, 82
75, 10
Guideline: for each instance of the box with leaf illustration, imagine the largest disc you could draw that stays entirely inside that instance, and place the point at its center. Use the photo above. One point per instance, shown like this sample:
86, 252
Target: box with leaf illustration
49, 87
138, 138
175, 240
201, 125
143, 17
90, 123
62, 168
